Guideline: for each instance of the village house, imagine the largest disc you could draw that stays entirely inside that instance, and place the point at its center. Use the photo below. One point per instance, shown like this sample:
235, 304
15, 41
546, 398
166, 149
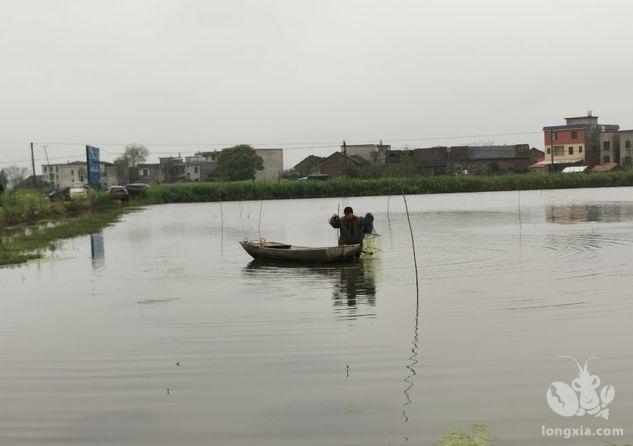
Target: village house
337, 165
372, 153
201, 167
62, 175
308, 165
273, 164
581, 141
626, 148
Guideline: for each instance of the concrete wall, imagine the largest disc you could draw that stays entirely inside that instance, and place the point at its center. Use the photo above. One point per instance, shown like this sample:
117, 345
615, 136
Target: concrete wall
626, 148
609, 147
366, 151
273, 164
569, 145
63, 175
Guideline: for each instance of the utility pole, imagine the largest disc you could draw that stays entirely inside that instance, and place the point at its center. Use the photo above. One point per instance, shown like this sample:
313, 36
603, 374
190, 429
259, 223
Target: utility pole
552, 135
33, 166
344, 158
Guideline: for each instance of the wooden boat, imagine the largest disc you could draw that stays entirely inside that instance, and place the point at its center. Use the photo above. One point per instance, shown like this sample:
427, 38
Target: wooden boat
264, 250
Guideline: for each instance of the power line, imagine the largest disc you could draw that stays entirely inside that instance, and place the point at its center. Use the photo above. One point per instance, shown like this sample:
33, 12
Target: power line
284, 146
297, 145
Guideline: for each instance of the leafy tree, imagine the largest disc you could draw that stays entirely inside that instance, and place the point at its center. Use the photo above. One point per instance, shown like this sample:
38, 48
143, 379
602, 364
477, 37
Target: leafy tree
239, 162
133, 154
14, 174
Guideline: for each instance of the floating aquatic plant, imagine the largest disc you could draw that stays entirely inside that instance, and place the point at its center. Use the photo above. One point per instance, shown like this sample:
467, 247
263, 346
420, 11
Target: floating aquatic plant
478, 436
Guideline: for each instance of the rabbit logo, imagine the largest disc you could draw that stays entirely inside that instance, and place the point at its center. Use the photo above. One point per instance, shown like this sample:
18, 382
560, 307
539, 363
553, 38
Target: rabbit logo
582, 397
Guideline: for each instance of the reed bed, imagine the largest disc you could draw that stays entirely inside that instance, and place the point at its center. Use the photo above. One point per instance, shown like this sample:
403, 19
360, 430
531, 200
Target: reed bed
29, 206
269, 190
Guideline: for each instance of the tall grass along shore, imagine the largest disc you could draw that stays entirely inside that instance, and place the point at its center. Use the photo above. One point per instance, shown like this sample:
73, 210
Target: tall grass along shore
268, 190
79, 217
30, 224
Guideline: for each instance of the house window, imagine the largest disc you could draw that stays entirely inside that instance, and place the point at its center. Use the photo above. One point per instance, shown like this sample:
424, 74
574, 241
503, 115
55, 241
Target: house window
579, 149
574, 135
52, 176
627, 144
559, 150
145, 172
606, 145
606, 159
195, 169
548, 150
44, 170
571, 150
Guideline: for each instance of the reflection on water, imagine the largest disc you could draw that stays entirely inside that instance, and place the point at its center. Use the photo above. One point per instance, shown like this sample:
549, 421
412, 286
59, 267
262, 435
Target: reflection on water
97, 250
353, 283
409, 380
287, 355
599, 212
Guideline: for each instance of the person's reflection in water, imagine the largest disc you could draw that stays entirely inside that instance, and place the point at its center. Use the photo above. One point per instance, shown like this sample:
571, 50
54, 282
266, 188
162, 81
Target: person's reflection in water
353, 283
355, 287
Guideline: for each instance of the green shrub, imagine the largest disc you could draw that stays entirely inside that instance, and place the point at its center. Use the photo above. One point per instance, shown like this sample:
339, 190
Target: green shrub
264, 190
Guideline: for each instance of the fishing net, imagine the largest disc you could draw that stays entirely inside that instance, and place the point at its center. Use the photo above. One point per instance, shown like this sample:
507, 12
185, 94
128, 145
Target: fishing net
372, 246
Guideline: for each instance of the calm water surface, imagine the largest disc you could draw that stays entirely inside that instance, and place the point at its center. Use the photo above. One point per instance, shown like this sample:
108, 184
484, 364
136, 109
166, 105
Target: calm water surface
161, 331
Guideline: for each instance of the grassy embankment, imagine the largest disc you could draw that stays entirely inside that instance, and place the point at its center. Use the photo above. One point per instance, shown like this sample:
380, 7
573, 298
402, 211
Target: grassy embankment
99, 210
263, 190
30, 224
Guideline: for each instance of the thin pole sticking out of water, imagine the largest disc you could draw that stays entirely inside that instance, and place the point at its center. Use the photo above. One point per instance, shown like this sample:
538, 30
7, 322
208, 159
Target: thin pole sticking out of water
221, 211
519, 207
338, 215
259, 222
415, 261
388, 197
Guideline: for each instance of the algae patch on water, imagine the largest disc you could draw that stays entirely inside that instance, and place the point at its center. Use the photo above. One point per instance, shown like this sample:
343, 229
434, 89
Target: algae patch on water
478, 436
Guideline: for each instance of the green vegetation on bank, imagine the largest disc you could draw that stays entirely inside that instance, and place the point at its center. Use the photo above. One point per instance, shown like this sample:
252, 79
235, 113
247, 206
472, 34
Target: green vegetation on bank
22, 244
84, 216
29, 206
19, 208
265, 190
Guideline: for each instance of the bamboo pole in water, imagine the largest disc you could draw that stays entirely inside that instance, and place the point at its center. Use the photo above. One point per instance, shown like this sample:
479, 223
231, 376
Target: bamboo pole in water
259, 222
415, 260
388, 199
338, 215
221, 211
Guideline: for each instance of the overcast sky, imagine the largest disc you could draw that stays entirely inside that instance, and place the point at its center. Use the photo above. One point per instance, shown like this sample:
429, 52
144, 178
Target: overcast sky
293, 73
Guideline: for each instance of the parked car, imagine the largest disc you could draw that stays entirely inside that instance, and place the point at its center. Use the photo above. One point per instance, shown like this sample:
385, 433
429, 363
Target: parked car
60, 194
136, 189
314, 176
78, 190
119, 193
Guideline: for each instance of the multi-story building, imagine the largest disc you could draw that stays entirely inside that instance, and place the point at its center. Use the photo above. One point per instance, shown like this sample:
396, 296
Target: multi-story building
63, 175
610, 147
202, 167
374, 153
626, 148
582, 140
273, 164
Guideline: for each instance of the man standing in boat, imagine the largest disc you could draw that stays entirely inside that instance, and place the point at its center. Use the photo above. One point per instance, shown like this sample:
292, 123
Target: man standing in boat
353, 228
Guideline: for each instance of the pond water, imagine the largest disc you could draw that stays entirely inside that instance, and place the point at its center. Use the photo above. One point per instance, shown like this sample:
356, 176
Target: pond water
161, 331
